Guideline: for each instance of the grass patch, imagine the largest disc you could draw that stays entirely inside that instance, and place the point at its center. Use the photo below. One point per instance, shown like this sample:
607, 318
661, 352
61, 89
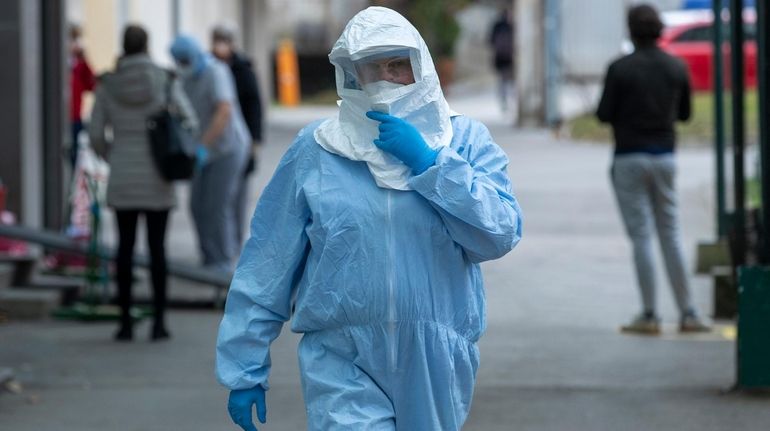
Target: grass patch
698, 131
588, 128
753, 193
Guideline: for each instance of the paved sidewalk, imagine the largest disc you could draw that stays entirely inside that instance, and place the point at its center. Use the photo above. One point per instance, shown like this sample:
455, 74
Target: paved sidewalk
552, 358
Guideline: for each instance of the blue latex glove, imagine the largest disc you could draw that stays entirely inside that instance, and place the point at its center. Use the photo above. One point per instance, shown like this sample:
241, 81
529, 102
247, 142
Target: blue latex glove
404, 141
239, 407
201, 156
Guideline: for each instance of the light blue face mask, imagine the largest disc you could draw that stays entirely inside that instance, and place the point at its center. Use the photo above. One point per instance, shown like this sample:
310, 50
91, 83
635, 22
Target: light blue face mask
185, 71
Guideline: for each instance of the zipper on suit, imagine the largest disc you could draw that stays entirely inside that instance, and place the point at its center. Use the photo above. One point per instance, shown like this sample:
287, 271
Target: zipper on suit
392, 348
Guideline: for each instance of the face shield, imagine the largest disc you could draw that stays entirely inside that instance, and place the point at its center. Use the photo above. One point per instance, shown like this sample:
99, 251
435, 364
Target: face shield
374, 73
394, 67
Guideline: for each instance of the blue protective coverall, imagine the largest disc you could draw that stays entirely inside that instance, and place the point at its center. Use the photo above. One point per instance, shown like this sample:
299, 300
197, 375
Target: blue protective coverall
385, 284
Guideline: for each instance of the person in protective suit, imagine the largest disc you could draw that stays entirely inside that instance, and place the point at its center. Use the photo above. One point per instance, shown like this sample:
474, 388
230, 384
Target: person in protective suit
370, 235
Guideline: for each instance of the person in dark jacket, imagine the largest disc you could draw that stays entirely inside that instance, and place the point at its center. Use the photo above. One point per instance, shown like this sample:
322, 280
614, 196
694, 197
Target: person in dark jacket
223, 47
501, 39
645, 93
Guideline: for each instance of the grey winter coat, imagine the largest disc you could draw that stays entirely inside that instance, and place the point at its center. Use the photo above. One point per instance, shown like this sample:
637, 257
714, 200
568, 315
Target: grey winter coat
124, 99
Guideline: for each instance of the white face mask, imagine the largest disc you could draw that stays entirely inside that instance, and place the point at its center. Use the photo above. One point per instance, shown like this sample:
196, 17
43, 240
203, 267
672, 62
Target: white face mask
374, 89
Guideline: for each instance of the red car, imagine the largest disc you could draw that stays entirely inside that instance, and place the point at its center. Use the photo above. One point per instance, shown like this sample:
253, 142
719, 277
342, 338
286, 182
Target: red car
690, 38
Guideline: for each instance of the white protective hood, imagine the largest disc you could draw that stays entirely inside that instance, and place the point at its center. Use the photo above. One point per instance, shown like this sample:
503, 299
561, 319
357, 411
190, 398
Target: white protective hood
351, 134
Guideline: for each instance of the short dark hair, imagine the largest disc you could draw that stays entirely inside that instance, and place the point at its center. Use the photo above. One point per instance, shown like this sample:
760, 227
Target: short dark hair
134, 40
644, 24
223, 33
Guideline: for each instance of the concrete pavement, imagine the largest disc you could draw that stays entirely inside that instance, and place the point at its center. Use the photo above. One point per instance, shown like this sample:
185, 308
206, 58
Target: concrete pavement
552, 358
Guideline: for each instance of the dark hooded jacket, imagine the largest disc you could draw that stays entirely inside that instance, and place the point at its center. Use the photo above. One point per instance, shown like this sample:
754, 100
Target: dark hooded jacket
248, 94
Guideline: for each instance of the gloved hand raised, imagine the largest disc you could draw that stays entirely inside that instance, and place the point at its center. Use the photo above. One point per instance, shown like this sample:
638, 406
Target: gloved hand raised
404, 141
239, 407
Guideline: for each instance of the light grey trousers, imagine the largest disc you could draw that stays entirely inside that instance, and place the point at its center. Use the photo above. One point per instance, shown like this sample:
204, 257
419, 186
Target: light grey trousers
213, 202
646, 195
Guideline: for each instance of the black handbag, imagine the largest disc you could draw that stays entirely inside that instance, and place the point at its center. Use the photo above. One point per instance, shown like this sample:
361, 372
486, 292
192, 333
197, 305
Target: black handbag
171, 142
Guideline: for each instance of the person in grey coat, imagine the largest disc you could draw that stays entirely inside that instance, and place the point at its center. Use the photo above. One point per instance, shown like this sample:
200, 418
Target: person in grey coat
125, 98
222, 152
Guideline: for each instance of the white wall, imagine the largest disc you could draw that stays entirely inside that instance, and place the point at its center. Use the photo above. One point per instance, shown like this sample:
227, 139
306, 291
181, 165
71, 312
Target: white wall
31, 136
156, 17
592, 32
473, 56
99, 21
530, 62
198, 17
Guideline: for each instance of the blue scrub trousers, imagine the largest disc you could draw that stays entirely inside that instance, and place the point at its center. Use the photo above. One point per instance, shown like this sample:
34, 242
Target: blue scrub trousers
213, 199
351, 382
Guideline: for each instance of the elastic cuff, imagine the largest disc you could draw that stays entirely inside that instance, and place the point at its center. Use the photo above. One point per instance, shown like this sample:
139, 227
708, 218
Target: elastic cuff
429, 161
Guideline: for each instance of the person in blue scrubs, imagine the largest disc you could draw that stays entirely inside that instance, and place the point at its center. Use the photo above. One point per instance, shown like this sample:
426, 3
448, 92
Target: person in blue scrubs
369, 237
223, 147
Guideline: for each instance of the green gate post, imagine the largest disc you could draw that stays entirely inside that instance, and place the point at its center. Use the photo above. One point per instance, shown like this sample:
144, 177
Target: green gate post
763, 27
719, 118
754, 282
754, 328
737, 39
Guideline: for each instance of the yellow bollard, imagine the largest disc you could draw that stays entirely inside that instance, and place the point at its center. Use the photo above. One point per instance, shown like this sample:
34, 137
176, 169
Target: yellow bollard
287, 72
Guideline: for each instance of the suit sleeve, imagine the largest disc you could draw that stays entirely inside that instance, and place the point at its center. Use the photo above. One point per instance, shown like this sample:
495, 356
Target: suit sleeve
271, 263
608, 102
685, 107
251, 105
474, 196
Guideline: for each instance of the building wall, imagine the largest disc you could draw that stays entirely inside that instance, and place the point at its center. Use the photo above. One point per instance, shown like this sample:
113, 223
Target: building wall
156, 16
593, 32
590, 34
530, 64
473, 56
313, 24
198, 17
10, 114
99, 21
103, 22
20, 109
